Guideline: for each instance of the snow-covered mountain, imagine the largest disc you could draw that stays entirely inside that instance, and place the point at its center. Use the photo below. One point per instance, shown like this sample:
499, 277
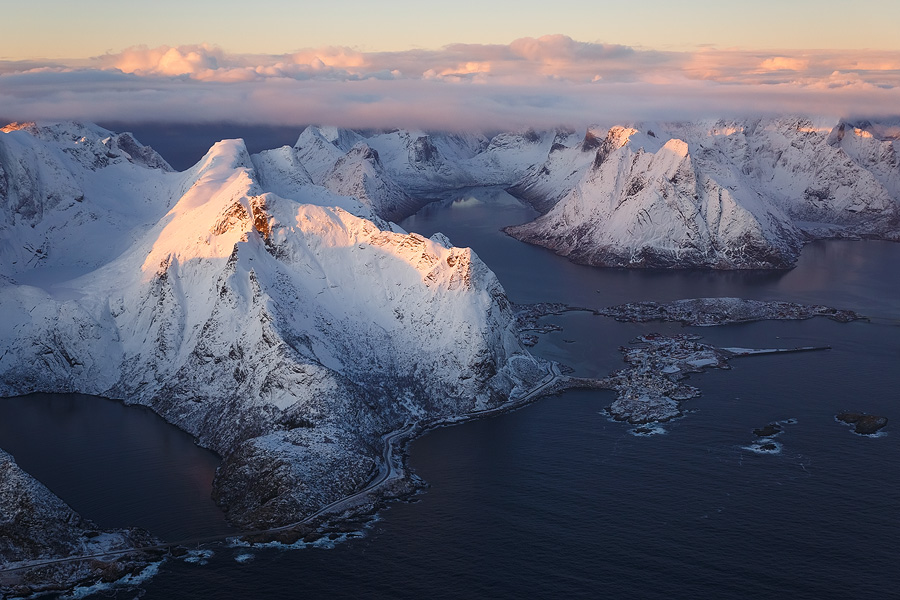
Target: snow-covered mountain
278, 329
420, 164
360, 174
874, 147
264, 304
724, 194
55, 194
547, 182
318, 148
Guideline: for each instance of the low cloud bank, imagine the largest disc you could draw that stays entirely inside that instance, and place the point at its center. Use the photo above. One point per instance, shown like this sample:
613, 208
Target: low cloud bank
547, 81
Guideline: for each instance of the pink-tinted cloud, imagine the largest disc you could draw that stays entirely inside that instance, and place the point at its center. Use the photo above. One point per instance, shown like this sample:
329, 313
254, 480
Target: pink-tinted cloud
546, 81
165, 61
784, 63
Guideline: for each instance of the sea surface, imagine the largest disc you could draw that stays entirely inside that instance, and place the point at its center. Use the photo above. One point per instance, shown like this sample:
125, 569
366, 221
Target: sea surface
557, 501
117, 465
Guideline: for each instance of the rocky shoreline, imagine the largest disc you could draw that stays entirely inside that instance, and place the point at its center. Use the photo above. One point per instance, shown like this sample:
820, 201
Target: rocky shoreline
705, 312
38, 531
650, 388
863, 424
527, 316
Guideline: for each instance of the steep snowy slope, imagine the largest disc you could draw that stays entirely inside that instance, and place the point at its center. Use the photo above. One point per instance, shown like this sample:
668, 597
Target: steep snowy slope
360, 174
393, 172
422, 163
318, 148
399, 170
791, 162
281, 172
547, 183
717, 195
276, 331
510, 156
54, 194
872, 146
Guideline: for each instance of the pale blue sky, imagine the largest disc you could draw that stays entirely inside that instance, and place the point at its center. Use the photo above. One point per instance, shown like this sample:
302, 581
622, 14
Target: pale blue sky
66, 29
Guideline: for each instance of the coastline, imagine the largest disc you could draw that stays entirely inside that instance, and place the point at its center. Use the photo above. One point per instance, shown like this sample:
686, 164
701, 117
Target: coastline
394, 481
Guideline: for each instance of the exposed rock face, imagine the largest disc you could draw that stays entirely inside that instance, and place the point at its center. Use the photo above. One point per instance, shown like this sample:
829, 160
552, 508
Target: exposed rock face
279, 331
863, 424
721, 195
544, 187
36, 526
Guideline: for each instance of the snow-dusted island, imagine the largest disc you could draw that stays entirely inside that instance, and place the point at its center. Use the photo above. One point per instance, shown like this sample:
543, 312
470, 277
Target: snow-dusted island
651, 389
722, 311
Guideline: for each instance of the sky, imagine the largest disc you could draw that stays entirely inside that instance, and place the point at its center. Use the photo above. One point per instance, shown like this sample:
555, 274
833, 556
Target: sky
66, 29
459, 65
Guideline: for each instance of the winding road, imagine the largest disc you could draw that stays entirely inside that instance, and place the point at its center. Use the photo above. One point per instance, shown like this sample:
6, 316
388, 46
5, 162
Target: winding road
387, 471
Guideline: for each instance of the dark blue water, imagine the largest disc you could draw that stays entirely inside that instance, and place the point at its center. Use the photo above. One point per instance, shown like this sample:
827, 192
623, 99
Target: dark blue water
850, 274
554, 500
120, 466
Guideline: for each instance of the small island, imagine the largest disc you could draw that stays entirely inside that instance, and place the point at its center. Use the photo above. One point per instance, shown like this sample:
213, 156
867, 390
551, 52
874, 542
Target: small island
706, 312
650, 388
864, 424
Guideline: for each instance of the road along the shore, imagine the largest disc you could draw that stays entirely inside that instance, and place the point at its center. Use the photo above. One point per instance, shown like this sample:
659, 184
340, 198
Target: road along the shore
388, 470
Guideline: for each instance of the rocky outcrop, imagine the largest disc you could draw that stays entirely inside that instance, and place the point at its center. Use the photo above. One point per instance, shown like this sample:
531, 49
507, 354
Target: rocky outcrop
863, 424
722, 311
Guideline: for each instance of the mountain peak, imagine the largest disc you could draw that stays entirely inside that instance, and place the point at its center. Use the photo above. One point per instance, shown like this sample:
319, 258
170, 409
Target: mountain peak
29, 126
365, 152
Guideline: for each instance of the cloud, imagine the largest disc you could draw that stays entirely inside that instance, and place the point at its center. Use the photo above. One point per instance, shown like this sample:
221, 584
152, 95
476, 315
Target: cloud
784, 63
547, 81
187, 60
560, 49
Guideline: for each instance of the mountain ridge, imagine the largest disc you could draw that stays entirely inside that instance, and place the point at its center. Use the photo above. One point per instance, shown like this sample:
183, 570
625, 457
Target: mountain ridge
266, 303
746, 194
240, 313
